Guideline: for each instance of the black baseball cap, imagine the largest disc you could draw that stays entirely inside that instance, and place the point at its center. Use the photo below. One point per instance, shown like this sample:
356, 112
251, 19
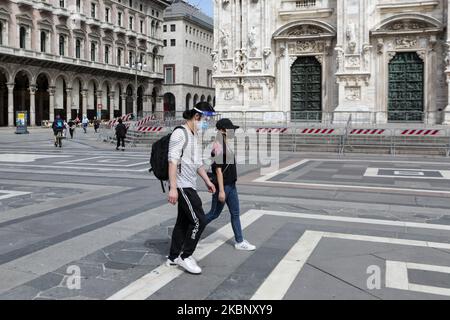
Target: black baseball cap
226, 124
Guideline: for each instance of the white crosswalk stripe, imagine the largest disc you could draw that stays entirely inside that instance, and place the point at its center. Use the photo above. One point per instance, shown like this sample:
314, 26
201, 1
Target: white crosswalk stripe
277, 284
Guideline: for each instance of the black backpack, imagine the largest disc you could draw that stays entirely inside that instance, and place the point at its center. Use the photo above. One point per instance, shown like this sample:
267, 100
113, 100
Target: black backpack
159, 159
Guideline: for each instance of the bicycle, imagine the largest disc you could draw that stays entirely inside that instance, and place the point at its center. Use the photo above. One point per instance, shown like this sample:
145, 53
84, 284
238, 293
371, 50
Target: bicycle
58, 139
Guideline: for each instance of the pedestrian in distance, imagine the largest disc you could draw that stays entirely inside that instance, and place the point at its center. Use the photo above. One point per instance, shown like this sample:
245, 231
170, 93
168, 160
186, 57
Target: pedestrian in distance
96, 124
85, 123
185, 163
72, 127
224, 176
121, 134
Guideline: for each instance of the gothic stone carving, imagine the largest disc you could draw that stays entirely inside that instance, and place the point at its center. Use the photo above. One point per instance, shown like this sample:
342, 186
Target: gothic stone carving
380, 46
304, 30
340, 59
353, 93
255, 94
366, 56
255, 64
351, 37
405, 43
354, 80
266, 54
228, 94
252, 41
407, 25
353, 61
240, 61
224, 39
306, 46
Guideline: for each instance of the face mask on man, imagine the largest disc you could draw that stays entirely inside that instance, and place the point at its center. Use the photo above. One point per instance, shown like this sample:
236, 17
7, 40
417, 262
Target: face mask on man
202, 124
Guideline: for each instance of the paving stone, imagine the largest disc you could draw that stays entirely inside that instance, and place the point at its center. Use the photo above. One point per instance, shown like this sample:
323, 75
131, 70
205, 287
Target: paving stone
20, 293
118, 265
46, 281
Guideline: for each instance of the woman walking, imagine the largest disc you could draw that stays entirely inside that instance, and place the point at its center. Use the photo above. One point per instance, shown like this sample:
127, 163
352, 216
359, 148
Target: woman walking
225, 177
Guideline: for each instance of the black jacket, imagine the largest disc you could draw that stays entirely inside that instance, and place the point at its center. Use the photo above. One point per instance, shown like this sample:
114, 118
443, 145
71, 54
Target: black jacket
121, 130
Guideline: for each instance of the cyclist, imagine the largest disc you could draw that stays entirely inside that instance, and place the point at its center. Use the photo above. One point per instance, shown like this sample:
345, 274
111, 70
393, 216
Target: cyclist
58, 128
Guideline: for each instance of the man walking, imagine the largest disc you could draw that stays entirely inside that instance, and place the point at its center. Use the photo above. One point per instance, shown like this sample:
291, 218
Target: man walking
184, 164
121, 133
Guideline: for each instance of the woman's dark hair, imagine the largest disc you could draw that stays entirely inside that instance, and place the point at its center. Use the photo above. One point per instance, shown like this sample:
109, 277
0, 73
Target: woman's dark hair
120, 121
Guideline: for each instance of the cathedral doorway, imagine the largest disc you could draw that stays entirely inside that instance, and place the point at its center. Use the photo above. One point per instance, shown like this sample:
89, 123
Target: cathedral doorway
306, 89
406, 88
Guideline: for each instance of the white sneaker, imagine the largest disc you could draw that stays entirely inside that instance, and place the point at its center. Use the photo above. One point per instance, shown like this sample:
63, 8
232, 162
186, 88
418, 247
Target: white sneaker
244, 246
190, 265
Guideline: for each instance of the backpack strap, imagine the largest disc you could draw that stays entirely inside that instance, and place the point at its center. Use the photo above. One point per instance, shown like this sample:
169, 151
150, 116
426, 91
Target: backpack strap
186, 135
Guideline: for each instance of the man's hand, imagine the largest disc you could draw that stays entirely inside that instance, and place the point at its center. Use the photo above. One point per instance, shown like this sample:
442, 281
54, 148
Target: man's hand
222, 197
211, 187
173, 196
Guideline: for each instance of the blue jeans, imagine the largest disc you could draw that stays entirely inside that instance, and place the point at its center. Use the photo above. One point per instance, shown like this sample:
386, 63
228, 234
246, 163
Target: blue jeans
232, 201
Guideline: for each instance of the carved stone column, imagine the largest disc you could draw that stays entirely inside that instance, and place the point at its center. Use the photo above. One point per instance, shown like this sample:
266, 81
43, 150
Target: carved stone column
69, 104
99, 98
51, 93
32, 105
111, 104
124, 104
446, 117
83, 110
11, 122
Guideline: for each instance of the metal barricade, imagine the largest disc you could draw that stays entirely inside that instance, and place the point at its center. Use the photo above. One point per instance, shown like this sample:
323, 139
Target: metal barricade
320, 138
431, 141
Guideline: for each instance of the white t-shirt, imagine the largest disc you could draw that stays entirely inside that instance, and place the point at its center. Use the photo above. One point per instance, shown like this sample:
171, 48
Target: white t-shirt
190, 162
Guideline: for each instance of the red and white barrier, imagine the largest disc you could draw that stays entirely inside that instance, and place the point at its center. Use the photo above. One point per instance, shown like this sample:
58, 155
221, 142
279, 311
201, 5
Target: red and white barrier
145, 120
271, 130
420, 132
124, 118
315, 131
365, 132
150, 129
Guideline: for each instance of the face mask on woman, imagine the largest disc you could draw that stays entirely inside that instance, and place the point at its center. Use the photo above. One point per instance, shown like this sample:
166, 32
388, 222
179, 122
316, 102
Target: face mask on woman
230, 134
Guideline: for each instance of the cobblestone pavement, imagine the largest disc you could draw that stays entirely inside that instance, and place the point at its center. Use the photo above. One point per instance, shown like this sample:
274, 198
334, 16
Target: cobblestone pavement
325, 227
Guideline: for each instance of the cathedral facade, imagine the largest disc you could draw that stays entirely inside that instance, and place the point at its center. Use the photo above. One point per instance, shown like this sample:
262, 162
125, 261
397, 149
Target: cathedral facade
321, 60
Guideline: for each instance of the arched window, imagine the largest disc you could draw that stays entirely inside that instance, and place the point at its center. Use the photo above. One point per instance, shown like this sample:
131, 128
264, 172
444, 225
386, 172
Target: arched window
62, 44
1, 33
188, 101
93, 51
155, 53
119, 56
43, 41
78, 49
23, 37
